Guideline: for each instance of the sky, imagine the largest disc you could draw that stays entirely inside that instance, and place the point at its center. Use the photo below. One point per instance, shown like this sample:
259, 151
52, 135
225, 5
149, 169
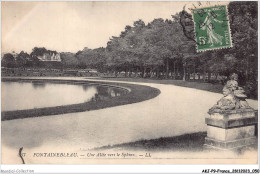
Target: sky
71, 26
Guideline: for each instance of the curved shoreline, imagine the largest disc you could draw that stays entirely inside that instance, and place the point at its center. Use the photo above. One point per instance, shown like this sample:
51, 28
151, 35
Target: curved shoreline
137, 93
175, 112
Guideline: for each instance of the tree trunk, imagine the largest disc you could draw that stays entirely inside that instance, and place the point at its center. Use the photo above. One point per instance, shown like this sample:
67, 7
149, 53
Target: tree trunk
188, 73
130, 73
125, 72
209, 76
216, 76
204, 74
143, 74
174, 70
247, 67
177, 72
194, 72
151, 73
167, 68
184, 73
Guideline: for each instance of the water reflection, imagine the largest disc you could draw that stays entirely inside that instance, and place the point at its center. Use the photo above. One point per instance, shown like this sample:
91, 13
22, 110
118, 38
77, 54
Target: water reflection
29, 95
105, 93
38, 85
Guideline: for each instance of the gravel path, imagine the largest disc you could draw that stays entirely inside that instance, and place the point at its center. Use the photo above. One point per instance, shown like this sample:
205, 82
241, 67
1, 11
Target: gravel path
177, 110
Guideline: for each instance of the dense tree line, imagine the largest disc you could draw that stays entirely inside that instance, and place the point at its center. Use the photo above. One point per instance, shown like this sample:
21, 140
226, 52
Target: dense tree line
25, 60
162, 49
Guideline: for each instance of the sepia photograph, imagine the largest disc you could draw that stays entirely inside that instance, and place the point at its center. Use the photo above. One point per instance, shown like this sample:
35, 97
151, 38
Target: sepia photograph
129, 82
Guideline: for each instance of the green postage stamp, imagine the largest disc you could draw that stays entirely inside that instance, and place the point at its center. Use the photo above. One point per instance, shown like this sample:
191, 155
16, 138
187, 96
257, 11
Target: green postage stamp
212, 29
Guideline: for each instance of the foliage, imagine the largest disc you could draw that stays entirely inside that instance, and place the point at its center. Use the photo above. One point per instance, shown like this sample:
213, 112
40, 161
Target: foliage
22, 59
166, 48
8, 60
69, 60
88, 58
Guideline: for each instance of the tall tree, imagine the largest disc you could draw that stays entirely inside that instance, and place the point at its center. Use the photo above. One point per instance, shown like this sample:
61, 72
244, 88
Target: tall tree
38, 51
69, 60
8, 60
22, 59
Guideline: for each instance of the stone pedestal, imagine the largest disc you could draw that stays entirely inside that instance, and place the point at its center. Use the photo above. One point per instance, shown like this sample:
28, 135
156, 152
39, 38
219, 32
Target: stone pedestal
231, 130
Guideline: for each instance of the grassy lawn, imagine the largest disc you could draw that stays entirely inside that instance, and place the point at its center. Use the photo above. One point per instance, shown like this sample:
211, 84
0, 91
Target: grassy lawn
188, 142
190, 84
192, 142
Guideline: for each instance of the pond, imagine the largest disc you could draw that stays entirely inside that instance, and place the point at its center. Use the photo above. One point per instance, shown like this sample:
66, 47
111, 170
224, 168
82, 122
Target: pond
23, 95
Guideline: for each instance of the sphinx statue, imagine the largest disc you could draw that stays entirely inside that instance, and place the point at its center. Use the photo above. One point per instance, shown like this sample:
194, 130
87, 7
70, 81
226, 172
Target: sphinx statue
231, 122
234, 97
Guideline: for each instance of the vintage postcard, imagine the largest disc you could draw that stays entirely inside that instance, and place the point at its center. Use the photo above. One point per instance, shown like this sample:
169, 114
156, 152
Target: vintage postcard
108, 82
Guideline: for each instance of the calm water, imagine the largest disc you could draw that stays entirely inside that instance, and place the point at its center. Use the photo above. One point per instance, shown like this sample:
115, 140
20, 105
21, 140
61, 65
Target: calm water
29, 95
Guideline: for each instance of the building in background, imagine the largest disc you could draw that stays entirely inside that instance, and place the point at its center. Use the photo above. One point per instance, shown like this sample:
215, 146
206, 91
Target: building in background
50, 57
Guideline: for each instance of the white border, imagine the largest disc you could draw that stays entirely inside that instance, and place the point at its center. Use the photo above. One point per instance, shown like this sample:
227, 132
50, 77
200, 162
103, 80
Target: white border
129, 168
